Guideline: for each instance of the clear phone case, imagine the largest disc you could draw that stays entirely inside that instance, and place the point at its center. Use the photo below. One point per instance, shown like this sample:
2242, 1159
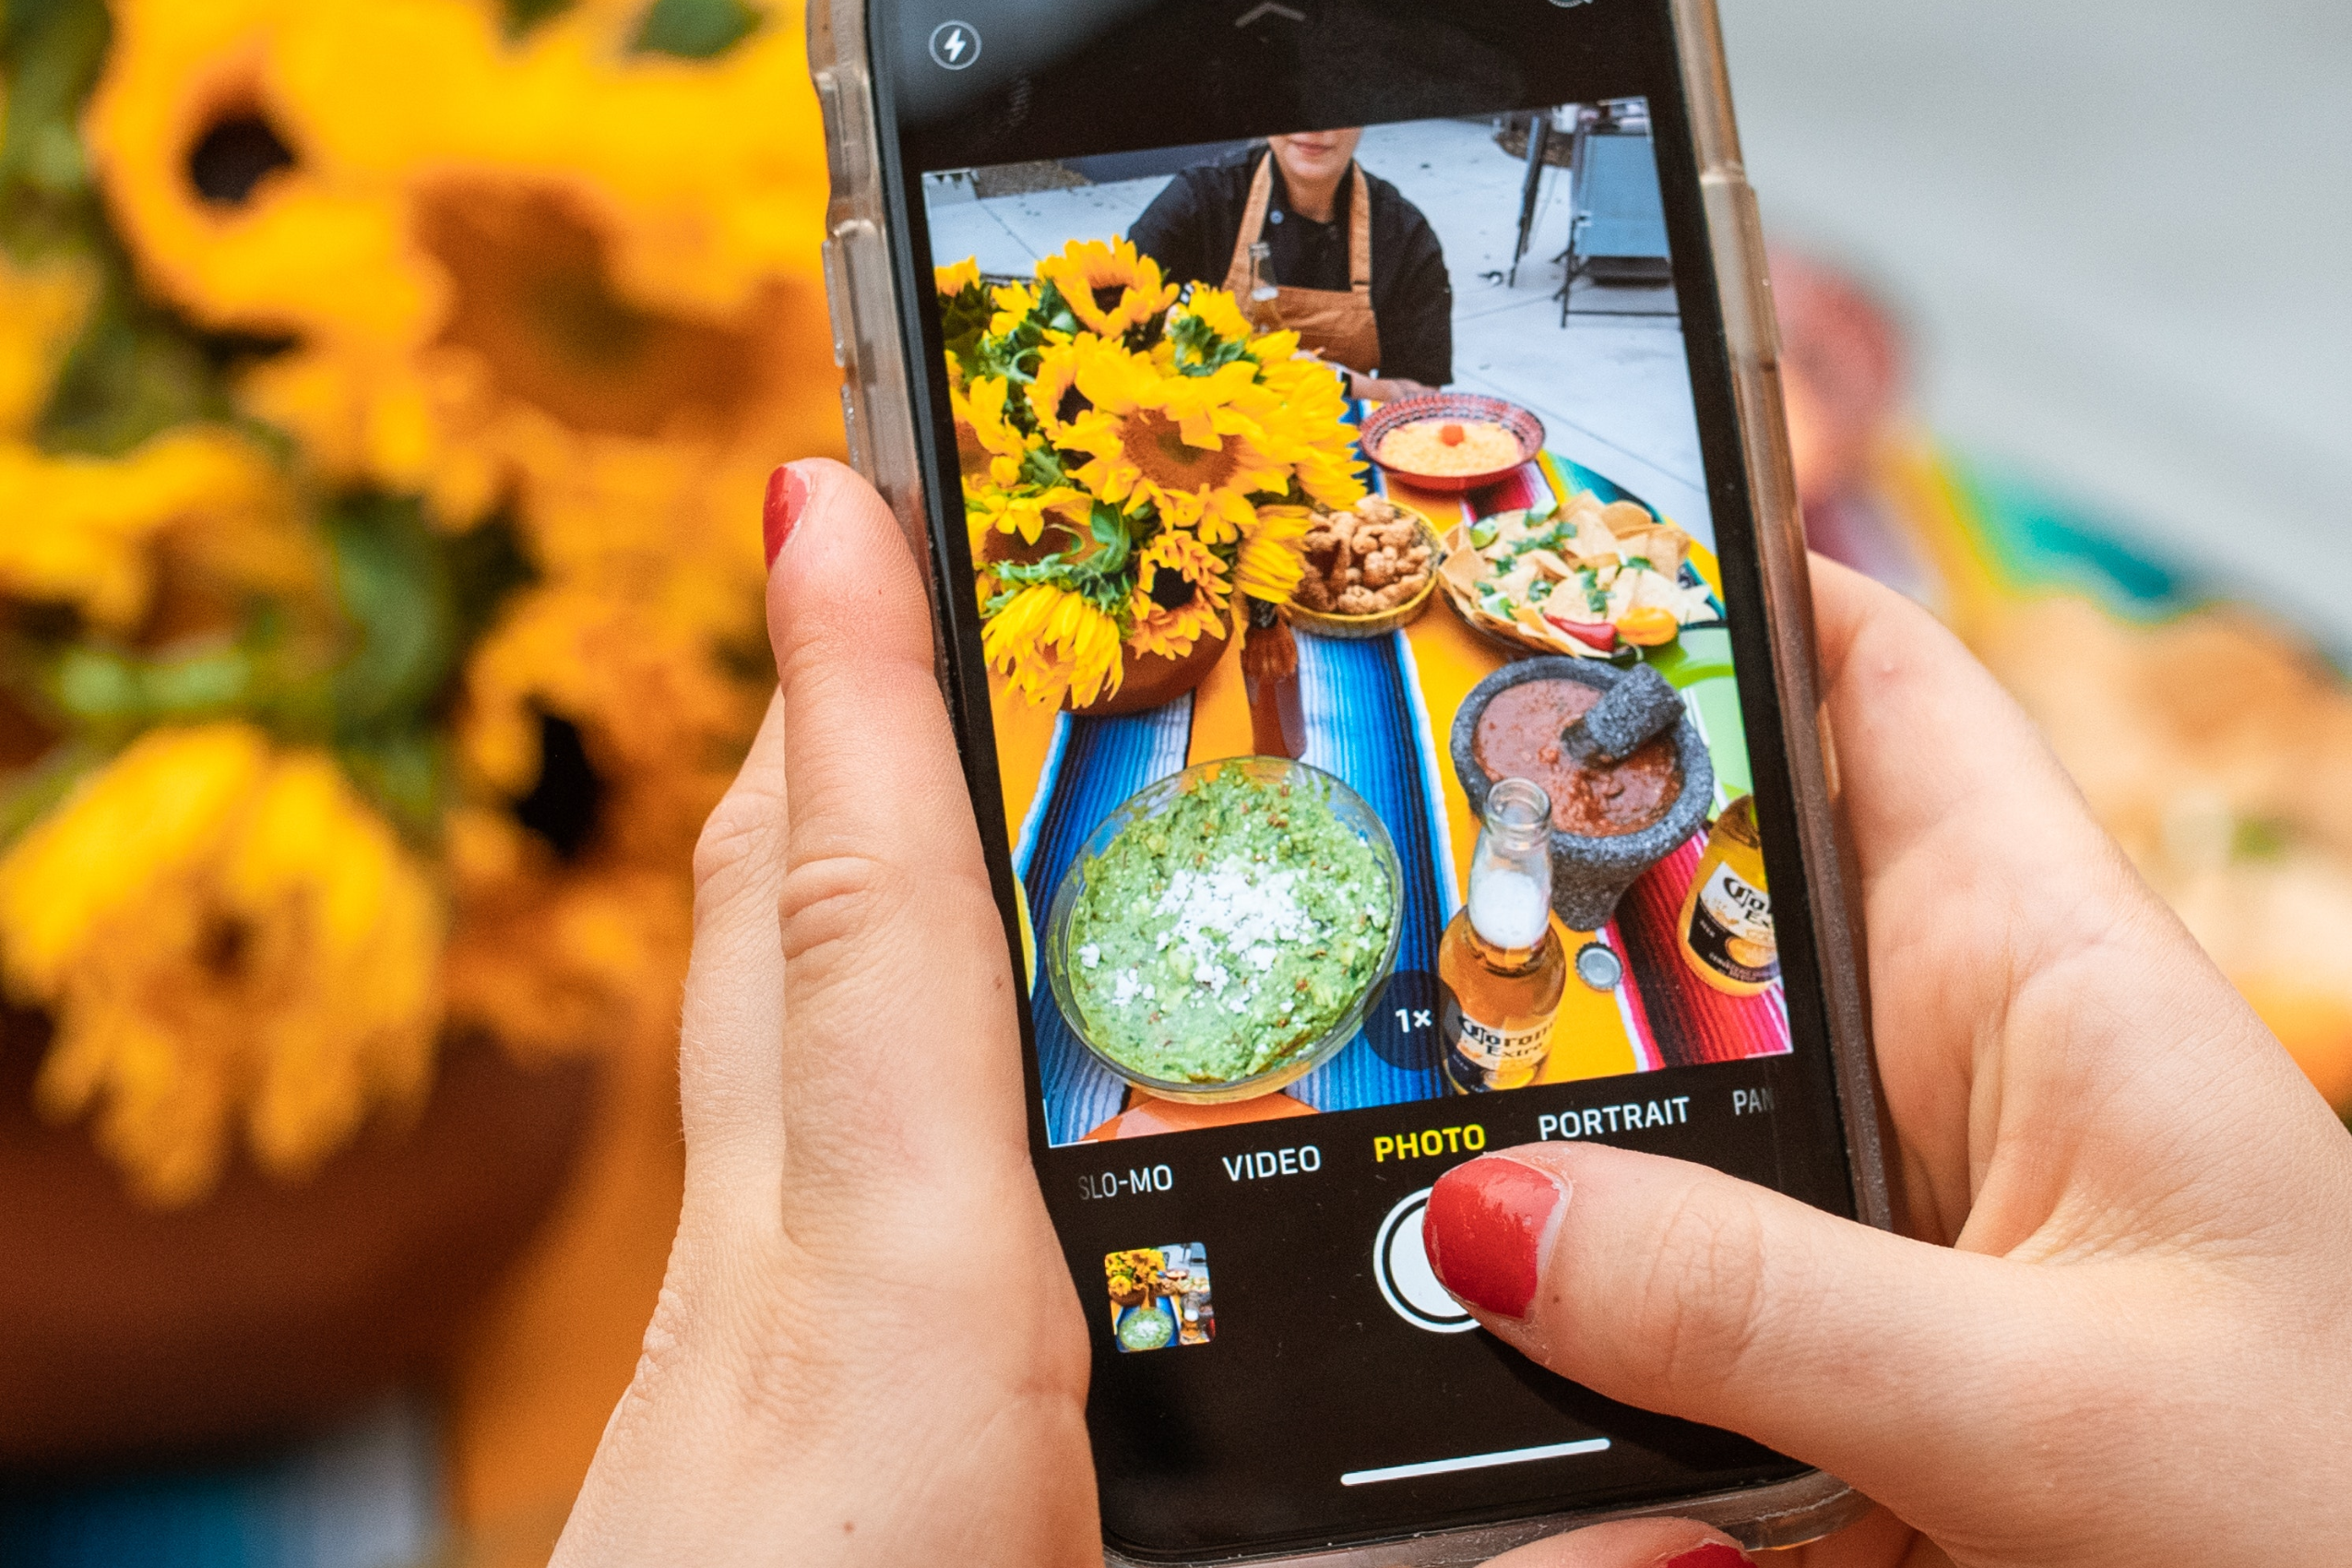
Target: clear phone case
878, 419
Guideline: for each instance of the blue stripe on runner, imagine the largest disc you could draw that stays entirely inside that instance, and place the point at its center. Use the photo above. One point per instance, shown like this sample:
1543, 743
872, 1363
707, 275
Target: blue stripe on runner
1095, 764
1360, 729
1441, 832
1024, 847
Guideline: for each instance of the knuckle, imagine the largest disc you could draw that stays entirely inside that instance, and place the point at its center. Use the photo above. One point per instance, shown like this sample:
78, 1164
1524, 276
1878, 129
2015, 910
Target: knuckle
1704, 1294
831, 903
736, 838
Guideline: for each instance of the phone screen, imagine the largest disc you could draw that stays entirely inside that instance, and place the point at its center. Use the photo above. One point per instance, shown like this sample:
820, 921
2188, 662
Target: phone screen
1357, 607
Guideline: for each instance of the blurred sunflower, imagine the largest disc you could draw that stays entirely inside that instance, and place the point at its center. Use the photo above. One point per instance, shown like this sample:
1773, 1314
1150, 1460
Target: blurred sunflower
392, 389
461, 231
42, 310
207, 498
228, 936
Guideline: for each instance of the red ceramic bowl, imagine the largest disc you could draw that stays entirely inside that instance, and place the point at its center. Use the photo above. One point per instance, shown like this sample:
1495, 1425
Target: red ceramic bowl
1458, 406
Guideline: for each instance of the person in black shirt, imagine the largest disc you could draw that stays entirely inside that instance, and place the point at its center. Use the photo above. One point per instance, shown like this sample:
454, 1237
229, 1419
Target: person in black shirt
1360, 272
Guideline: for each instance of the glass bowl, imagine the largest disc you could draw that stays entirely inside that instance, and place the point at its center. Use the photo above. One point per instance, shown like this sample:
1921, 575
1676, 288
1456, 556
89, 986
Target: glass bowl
1152, 800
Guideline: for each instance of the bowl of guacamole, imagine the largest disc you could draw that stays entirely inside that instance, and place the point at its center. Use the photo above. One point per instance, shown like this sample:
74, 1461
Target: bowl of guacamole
1225, 929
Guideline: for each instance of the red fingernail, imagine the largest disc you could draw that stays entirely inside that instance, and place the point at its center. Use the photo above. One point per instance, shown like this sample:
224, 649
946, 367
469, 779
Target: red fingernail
1712, 1554
1486, 1229
788, 493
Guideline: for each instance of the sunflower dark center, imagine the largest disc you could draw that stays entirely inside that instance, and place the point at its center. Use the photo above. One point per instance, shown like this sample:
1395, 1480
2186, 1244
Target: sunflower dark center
1106, 300
566, 805
223, 948
534, 296
234, 156
1156, 444
1172, 591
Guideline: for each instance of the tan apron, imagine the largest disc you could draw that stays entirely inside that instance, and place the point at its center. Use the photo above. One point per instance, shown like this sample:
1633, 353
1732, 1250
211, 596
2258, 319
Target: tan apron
1340, 326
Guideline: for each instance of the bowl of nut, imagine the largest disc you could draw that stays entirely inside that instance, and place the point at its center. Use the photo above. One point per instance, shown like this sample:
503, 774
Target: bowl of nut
1369, 570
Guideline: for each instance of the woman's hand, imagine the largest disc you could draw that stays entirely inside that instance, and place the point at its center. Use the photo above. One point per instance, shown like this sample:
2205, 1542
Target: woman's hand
812, 1391
2123, 1336
1387, 389
2123, 1332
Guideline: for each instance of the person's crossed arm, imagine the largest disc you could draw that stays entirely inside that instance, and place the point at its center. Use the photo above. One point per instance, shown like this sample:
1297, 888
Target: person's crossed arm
2120, 1336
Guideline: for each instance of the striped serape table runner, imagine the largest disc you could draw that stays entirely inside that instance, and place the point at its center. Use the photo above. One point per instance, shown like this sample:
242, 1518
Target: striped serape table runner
1369, 708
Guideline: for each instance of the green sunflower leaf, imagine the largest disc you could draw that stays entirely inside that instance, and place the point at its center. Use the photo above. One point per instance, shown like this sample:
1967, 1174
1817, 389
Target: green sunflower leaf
696, 29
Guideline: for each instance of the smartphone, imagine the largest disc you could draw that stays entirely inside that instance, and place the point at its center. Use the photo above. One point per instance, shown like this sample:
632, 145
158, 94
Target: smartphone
1345, 440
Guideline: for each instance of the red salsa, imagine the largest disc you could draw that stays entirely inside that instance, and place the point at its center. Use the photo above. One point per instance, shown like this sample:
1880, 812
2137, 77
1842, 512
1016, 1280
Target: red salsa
1519, 738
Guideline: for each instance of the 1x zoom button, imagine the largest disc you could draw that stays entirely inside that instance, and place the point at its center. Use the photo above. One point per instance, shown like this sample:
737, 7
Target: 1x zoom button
1400, 1264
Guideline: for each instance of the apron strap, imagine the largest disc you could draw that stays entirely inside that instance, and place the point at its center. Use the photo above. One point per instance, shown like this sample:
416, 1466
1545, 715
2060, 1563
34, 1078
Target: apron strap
1237, 276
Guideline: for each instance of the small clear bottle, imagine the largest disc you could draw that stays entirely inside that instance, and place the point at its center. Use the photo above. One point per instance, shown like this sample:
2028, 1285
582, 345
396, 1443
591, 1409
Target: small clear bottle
1501, 966
1263, 304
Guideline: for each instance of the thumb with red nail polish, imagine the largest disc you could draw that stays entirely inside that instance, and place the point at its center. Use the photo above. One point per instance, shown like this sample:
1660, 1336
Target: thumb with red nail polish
1489, 1227
787, 498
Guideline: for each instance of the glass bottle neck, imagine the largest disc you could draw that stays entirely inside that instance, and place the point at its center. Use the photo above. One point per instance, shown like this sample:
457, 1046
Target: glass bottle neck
1511, 869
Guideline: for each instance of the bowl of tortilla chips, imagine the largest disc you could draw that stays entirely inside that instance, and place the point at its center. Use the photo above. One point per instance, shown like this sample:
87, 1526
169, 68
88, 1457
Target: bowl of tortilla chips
1590, 579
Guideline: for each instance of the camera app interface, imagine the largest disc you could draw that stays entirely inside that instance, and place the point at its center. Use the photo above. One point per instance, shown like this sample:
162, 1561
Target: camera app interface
1363, 699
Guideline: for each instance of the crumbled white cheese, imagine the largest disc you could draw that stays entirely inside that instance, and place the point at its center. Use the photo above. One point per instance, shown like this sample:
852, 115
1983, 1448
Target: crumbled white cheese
1231, 911
1090, 954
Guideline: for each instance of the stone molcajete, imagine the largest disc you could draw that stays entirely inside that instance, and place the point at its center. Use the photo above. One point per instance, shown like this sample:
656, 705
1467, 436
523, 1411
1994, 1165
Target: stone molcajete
1591, 871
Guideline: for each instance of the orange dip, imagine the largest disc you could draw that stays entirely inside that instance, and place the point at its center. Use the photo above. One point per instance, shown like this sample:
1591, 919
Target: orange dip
1518, 737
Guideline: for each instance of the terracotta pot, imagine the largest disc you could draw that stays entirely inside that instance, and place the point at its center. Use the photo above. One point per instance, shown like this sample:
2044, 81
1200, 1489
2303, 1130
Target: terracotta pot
271, 1308
1153, 679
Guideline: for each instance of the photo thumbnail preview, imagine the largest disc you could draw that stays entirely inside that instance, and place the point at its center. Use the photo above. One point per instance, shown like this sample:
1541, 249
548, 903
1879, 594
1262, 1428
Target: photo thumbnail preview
1159, 1297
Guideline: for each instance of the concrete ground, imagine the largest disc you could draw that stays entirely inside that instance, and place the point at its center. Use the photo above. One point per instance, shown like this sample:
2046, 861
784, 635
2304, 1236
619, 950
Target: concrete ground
1613, 390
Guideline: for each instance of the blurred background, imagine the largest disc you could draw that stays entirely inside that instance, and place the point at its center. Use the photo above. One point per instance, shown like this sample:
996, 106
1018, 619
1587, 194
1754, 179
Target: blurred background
384, 392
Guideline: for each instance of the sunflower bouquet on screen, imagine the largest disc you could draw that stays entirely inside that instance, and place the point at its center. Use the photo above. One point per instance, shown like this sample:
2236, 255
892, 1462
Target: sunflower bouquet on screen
1136, 459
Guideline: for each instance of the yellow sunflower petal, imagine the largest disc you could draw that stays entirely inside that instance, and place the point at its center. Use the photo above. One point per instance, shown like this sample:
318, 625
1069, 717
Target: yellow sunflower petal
953, 281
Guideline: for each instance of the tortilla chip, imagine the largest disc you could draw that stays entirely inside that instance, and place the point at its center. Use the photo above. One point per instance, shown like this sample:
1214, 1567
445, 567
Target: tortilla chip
1549, 564
1463, 570
1620, 595
1627, 516
1653, 590
1594, 544
1663, 545
1532, 625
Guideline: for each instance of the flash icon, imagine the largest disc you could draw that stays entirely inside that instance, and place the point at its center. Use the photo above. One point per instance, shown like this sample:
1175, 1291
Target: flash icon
954, 46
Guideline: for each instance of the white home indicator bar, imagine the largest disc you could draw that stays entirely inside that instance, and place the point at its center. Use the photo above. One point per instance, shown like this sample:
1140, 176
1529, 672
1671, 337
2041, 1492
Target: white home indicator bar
1473, 1462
